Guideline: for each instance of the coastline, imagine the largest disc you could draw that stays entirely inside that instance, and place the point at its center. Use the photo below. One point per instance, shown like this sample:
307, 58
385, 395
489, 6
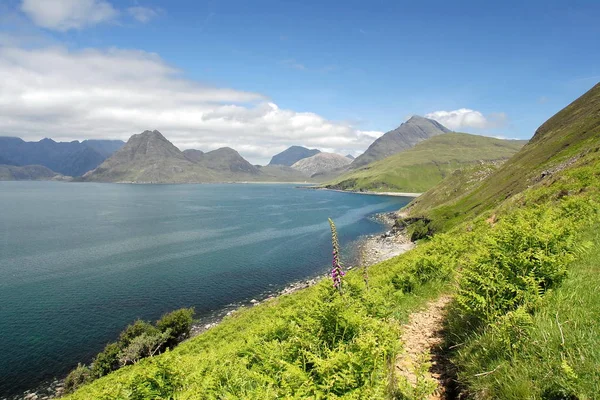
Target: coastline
371, 249
367, 192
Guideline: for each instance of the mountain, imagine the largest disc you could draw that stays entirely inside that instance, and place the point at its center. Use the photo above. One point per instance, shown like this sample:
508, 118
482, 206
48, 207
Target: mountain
321, 163
350, 156
149, 157
426, 164
28, 173
193, 155
407, 135
225, 159
291, 155
68, 158
105, 148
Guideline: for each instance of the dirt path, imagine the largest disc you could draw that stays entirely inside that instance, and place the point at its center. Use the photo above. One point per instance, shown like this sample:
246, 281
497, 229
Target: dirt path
422, 339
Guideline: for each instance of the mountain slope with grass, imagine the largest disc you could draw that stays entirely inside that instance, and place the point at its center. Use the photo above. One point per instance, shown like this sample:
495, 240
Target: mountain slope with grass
426, 164
29, 173
523, 322
556, 146
406, 136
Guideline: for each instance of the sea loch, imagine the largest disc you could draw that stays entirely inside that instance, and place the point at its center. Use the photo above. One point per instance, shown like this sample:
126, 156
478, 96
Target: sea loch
78, 262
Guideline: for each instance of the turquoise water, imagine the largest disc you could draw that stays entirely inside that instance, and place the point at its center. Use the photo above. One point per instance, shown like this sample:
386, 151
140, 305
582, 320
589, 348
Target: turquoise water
79, 261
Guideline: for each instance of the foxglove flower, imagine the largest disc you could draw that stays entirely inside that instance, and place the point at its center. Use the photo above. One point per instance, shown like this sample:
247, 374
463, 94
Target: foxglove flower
337, 271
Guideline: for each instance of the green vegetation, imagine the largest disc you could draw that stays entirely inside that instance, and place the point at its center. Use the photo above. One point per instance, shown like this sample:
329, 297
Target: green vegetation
522, 264
426, 164
139, 340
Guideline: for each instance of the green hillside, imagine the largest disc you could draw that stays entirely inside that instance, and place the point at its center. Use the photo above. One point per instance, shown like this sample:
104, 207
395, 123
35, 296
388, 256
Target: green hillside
521, 265
556, 145
425, 165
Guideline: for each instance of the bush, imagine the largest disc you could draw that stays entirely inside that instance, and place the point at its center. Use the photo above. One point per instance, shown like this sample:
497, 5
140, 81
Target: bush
134, 330
143, 346
179, 323
77, 377
106, 361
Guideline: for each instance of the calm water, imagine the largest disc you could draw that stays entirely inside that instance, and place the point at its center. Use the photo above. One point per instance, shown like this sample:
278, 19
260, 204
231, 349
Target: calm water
78, 262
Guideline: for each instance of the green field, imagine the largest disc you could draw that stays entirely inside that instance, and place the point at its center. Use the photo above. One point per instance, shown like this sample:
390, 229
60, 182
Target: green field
425, 165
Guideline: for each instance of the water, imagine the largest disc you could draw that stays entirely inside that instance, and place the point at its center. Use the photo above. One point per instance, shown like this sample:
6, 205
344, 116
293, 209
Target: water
78, 262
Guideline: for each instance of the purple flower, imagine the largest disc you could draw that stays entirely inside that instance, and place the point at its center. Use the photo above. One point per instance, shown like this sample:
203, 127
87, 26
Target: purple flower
336, 271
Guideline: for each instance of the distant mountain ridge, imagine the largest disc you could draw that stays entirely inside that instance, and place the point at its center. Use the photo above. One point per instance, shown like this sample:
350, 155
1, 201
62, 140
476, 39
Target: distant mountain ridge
321, 163
67, 158
406, 136
148, 157
292, 155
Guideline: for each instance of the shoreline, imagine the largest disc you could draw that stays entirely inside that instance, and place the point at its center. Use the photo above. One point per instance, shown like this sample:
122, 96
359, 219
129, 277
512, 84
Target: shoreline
371, 249
367, 192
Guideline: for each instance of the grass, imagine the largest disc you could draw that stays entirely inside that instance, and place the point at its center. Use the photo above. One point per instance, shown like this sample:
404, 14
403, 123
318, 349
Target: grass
561, 357
425, 165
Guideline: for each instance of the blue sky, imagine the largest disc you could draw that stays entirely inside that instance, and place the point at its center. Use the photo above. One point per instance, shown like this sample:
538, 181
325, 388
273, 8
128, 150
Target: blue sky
262, 75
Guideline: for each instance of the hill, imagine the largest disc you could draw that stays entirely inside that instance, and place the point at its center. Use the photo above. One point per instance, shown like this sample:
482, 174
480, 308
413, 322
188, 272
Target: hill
67, 158
556, 145
522, 273
426, 164
291, 155
28, 173
407, 135
321, 163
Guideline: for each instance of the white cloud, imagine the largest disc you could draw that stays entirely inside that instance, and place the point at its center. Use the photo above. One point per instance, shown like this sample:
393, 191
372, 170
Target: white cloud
66, 95
142, 14
466, 118
63, 15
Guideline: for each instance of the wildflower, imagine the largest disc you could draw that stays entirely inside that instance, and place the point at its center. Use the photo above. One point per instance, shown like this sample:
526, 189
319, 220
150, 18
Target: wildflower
336, 271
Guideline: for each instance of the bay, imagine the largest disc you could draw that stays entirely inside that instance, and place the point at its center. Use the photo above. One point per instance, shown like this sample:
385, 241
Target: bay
80, 261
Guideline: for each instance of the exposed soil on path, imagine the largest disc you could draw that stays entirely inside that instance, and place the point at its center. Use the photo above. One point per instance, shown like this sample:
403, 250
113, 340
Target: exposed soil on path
422, 340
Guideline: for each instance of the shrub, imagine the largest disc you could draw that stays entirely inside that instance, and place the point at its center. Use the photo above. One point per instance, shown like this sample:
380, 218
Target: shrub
77, 377
142, 346
106, 361
179, 323
134, 330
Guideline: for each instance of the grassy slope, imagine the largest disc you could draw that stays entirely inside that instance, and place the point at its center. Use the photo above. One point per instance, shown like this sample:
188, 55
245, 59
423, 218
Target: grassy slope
507, 273
557, 361
425, 165
559, 140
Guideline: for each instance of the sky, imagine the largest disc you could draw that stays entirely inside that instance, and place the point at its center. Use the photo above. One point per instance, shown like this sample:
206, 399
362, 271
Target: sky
261, 75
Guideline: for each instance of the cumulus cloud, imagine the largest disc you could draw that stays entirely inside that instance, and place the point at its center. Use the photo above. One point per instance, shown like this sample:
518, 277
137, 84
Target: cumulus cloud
67, 95
63, 15
466, 118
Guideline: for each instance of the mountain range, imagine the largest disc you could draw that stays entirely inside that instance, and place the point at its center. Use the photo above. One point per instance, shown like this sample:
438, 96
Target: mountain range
149, 157
66, 158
